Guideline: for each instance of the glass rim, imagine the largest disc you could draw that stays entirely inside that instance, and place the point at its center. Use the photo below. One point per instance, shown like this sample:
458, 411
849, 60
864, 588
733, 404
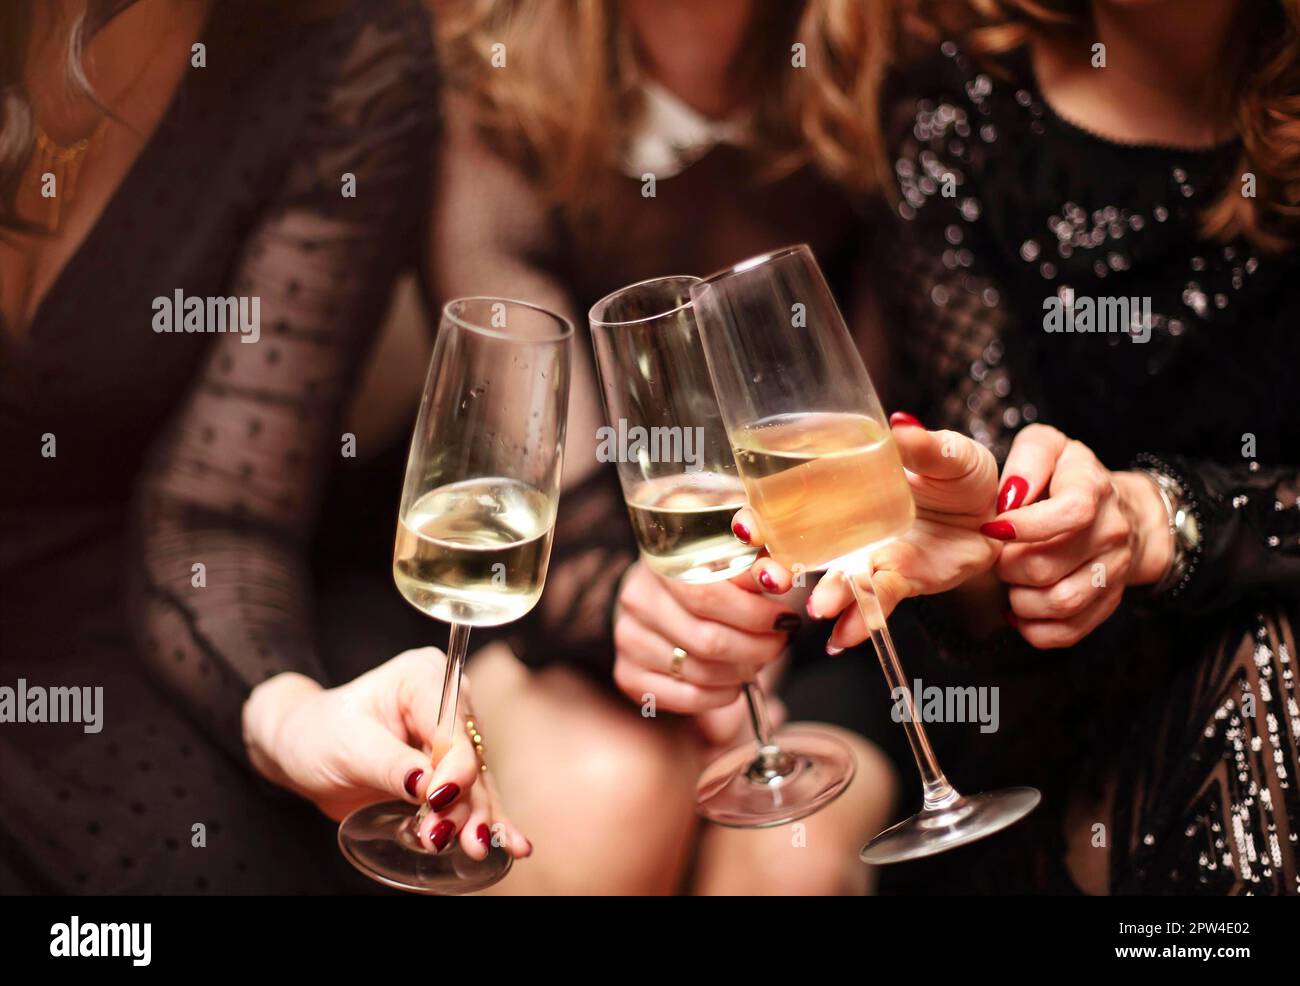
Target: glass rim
565, 326
688, 303
751, 263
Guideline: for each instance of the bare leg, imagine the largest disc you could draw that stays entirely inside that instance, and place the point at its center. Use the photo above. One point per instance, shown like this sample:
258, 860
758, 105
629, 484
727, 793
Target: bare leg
606, 796
817, 855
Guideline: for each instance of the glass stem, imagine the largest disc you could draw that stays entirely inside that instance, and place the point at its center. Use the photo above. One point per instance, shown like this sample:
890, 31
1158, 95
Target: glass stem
758, 717
938, 792
444, 732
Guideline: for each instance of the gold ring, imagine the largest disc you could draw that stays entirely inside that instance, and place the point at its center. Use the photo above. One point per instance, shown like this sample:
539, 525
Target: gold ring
477, 739
679, 658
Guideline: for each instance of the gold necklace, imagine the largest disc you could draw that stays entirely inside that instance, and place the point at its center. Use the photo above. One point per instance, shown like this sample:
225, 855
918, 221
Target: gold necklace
63, 163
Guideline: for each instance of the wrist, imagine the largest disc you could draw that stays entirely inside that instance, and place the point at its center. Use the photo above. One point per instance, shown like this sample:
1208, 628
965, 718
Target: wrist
265, 711
1149, 516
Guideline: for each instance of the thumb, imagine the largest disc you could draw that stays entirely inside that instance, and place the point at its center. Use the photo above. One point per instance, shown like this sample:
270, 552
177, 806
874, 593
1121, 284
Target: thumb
378, 761
1029, 466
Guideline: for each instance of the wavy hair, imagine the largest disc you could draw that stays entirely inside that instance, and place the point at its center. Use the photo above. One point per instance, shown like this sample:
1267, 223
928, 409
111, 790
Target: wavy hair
1261, 86
568, 100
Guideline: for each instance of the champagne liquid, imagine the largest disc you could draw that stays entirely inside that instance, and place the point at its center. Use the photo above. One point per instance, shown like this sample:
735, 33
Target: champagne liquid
683, 525
474, 552
828, 488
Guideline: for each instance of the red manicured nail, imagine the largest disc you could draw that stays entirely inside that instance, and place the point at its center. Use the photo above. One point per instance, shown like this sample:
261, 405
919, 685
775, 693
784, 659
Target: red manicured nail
741, 532
441, 797
901, 419
442, 833
832, 650
766, 581
1012, 493
412, 782
1002, 530
483, 834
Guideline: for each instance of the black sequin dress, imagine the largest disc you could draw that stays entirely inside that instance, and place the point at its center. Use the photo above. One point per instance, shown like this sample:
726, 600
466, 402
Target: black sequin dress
1185, 707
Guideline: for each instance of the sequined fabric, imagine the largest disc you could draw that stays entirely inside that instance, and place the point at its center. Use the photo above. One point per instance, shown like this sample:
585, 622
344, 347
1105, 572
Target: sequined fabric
1184, 707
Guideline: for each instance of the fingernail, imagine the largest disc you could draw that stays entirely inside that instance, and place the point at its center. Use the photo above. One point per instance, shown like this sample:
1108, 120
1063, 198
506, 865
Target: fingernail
412, 781
1001, 530
766, 580
529, 843
787, 622
832, 650
741, 532
901, 419
808, 607
1012, 493
483, 834
441, 797
442, 833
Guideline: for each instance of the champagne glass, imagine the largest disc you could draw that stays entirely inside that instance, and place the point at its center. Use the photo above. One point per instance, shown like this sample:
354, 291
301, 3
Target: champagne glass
822, 472
473, 535
681, 487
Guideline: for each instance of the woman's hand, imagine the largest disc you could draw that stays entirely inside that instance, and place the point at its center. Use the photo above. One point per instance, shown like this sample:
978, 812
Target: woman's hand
1077, 535
728, 631
371, 740
953, 481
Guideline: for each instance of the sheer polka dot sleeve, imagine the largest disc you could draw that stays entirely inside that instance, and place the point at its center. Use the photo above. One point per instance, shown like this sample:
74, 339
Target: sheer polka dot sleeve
223, 513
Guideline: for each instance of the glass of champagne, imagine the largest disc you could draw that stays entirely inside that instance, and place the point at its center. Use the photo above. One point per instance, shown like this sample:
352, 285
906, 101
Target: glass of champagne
473, 535
681, 487
822, 472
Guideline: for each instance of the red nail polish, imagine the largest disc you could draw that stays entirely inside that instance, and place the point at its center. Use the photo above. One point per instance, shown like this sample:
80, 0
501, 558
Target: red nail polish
1001, 530
901, 419
412, 781
1012, 493
766, 581
741, 532
442, 833
483, 834
442, 797
832, 650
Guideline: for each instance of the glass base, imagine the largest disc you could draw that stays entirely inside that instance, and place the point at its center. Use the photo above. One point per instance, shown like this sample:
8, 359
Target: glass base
380, 841
805, 771
937, 830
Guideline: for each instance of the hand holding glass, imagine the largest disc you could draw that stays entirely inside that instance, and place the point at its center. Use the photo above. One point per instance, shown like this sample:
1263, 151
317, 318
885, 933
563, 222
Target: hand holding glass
822, 472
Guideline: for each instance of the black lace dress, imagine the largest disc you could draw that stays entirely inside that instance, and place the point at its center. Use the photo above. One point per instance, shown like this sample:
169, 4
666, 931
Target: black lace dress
1184, 707
176, 451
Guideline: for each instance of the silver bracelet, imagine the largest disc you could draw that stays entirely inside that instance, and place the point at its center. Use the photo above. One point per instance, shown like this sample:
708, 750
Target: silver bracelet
1184, 532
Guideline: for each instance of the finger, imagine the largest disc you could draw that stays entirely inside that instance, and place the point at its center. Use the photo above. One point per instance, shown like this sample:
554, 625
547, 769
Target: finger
438, 830
1078, 487
708, 640
724, 602
639, 643
504, 833
1029, 466
643, 685
381, 762
1055, 634
885, 590
945, 455
1073, 594
1039, 565
770, 576
747, 528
